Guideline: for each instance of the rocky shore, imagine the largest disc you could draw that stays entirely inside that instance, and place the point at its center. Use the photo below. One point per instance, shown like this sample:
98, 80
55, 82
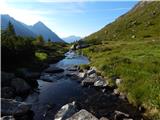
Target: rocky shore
107, 103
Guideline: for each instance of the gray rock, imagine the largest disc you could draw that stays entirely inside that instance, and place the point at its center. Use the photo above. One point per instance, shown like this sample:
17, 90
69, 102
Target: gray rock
116, 92
133, 36
21, 86
118, 81
88, 81
82, 75
12, 107
6, 78
91, 71
8, 118
27, 74
66, 111
54, 70
7, 92
82, 115
100, 83
47, 78
103, 118
118, 115
94, 75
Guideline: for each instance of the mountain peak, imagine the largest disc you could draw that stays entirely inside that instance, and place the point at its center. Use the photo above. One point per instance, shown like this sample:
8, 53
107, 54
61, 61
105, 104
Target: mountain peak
39, 23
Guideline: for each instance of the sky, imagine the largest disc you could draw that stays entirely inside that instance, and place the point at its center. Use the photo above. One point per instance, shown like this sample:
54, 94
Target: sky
67, 17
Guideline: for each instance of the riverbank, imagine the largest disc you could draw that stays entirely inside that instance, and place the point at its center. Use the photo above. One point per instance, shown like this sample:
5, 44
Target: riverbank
137, 64
65, 86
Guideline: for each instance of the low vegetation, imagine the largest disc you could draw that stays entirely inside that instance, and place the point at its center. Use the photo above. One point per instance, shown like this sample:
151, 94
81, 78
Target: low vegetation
129, 48
20, 51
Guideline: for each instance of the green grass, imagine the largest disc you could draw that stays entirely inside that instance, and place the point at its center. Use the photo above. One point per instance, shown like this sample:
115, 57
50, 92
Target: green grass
129, 48
41, 56
137, 63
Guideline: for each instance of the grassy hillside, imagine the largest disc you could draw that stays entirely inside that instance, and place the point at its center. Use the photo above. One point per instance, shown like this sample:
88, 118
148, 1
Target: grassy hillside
140, 23
130, 49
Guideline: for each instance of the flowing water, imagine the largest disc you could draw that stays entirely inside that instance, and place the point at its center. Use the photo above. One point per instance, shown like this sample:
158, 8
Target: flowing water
51, 96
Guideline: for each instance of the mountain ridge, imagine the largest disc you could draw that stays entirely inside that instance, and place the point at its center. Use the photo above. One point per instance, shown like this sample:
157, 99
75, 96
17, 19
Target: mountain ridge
22, 29
72, 38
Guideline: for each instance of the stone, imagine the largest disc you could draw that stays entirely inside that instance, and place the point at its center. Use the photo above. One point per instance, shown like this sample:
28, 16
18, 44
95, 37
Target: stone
21, 86
54, 70
118, 81
6, 78
8, 118
118, 115
47, 78
88, 81
12, 107
103, 118
100, 83
82, 115
94, 75
7, 92
27, 74
116, 92
82, 75
66, 111
133, 36
91, 71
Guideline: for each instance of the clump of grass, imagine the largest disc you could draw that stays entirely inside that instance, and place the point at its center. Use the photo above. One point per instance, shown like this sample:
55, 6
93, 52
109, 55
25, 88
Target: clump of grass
85, 66
41, 56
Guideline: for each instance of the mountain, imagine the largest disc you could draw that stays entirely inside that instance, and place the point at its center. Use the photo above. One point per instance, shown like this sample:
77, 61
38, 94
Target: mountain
19, 27
71, 38
22, 29
40, 29
140, 22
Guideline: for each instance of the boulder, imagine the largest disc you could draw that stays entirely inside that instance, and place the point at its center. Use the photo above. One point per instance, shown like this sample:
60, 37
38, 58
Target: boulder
91, 71
47, 78
82, 115
118, 115
15, 108
118, 81
32, 82
100, 83
21, 86
6, 78
82, 75
7, 92
103, 118
8, 118
88, 81
54, 70
94, 75
27, 74
66, 111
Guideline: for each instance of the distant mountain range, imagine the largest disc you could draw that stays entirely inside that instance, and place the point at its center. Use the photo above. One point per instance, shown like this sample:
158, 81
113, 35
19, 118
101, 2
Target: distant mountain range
71, 39
22, 29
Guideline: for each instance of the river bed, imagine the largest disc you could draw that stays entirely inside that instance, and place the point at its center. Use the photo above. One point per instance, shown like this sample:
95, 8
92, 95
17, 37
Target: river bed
51, 96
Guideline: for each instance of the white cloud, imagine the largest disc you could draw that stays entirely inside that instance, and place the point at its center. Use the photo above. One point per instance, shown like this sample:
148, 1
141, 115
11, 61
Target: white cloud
27, 16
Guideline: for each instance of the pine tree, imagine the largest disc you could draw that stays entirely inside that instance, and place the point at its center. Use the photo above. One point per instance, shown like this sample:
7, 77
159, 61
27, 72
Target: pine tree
10, 29
39, 40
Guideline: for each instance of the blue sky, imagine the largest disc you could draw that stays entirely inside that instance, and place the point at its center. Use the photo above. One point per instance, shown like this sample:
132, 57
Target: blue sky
67, 17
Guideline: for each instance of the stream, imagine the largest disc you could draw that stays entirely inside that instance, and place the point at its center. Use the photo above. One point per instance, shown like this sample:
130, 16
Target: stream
51, 96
